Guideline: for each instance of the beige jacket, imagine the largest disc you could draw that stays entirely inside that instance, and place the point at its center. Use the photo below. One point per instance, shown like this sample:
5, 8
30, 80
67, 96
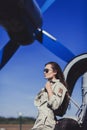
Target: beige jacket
46, 106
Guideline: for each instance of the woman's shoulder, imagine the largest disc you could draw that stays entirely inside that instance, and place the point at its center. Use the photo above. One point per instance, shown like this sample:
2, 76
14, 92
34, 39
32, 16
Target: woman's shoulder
60, 85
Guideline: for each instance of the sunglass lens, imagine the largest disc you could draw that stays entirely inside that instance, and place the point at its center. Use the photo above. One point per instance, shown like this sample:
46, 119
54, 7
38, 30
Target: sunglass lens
46, 70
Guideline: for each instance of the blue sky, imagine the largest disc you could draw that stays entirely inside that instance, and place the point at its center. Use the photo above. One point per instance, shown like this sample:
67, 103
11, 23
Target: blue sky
22, 77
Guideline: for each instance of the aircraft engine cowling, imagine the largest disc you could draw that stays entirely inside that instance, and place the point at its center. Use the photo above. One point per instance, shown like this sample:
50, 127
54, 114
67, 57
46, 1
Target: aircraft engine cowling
75, 68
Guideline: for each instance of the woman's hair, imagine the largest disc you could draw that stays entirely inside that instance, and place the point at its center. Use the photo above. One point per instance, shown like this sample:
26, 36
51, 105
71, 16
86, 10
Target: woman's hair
59, 75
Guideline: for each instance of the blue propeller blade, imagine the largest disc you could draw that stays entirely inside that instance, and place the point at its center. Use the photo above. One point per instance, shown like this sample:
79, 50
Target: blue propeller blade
54, 46
46, 5
7, 52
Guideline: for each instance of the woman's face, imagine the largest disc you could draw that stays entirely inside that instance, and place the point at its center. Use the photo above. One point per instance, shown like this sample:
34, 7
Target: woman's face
49, 73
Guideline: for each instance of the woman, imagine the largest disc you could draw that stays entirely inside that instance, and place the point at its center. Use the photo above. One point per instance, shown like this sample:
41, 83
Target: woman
50, 97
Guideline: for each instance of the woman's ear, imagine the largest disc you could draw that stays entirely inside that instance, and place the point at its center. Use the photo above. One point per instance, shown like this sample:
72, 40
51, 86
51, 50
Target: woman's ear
55, 72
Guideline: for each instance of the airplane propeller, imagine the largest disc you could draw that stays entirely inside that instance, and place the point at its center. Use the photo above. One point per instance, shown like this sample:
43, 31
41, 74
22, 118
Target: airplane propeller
22, 19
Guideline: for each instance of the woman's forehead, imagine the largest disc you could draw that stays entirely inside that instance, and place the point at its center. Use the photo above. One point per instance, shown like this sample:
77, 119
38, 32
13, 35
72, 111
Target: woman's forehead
48, 66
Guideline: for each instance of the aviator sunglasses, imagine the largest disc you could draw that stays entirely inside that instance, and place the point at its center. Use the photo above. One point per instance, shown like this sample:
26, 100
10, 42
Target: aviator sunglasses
47, 70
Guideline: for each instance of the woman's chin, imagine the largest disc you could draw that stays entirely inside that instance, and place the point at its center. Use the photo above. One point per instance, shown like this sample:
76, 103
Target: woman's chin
45, 77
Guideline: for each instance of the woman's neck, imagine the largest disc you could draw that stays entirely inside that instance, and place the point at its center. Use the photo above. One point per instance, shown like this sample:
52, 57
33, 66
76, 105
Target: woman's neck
51, 79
